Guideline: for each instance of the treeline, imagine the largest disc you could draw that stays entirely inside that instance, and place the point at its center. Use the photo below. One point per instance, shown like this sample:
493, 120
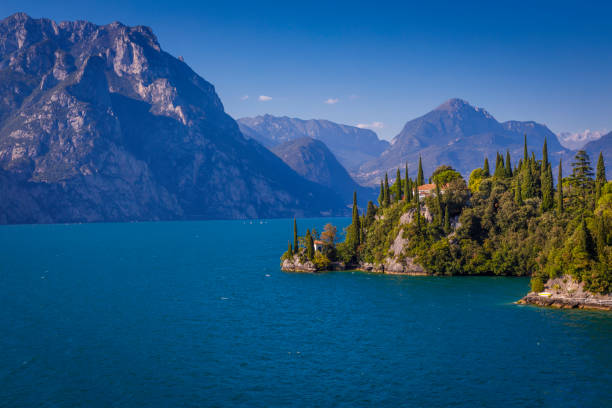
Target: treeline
512, 221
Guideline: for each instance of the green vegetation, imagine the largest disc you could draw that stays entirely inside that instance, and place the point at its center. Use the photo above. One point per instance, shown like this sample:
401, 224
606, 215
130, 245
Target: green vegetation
514, 222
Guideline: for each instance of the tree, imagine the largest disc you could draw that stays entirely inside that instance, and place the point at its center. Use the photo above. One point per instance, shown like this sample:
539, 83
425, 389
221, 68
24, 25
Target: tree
420, 178
329, 234
545, 155
581, 179
528, 185
508, 164
356, 221
500, 171
406, 185
398, 186
560, 189
438, 205
381, 196
547, 188
447, 226
295, 236
600, 177
387, 199
475, 179
289, 250
518, 198
525, 153
485, 169
309, 245
444, 175
408, 189
370, 214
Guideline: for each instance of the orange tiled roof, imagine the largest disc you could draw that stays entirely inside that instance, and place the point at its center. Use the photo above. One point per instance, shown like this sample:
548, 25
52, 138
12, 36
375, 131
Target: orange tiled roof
319, 242
427, 187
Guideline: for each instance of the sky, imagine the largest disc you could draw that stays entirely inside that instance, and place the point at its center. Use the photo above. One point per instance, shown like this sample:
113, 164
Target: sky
380, 64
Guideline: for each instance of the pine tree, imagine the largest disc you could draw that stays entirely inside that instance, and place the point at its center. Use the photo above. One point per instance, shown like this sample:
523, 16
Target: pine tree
381, 196
447, 226
508, 165
387, 200
581, 179
518, 198
398, 184
560, 189
406, 185
420, 178
485, 169
295, 236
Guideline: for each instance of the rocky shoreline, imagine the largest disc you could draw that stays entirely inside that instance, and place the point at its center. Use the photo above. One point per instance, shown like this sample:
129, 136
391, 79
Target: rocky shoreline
390, 267
565, 293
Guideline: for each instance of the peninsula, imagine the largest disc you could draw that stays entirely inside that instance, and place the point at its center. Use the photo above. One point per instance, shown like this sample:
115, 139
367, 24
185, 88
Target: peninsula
511, 221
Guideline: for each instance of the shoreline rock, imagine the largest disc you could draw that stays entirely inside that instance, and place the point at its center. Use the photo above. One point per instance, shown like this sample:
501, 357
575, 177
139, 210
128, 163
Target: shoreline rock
566, 293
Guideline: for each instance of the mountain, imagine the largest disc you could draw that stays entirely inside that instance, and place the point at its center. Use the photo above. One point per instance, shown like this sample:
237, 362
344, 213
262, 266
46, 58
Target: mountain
351, 145
603, 145
460, 135
575, 141
311, 159
98, 123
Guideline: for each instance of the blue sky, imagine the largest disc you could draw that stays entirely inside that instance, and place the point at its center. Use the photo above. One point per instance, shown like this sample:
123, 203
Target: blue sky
382, 63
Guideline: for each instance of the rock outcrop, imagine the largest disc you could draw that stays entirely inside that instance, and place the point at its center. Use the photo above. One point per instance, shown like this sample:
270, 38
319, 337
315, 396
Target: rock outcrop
566, 293
98, 123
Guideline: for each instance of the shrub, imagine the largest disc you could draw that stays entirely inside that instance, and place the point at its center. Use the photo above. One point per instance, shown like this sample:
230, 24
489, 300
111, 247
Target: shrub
537, 285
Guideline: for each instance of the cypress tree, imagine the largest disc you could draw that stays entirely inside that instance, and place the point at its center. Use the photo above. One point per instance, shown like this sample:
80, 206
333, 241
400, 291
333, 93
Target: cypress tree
525, 154
547, 189
518, 198
407, 185
545, 155
420, 178
418, 214
500, 171
309, 245
508, 164
356, 220
535, 174
398, 183
370, 214
528, 187
387, 198
409, 190
290, 249
438, 205
485, 169
415, 196
381, 195
295, 236
560, 189
600, 175
447, 227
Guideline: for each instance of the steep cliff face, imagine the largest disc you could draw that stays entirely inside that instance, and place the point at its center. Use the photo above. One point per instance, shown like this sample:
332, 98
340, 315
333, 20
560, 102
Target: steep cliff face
97, 123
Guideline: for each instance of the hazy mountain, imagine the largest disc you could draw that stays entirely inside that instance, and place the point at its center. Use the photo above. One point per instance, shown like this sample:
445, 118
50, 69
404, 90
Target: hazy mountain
311, 159
603, 145
460, 135
98, 123
577, 140
351, 145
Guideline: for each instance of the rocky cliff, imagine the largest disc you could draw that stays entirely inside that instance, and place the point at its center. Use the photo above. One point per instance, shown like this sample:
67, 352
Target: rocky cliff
98, 123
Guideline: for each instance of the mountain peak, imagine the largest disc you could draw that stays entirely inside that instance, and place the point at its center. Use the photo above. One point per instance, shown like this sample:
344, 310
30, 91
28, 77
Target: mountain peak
454, 104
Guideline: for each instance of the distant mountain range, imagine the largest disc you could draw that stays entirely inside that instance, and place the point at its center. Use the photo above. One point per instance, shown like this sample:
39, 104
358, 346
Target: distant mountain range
351, 145
460, 135
575, 141
603, 145
98, 123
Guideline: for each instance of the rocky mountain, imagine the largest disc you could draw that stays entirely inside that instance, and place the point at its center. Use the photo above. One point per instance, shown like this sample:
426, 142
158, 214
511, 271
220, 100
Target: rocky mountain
311, 159
577, 140
460, 135
603, 145
98, 123
351, 145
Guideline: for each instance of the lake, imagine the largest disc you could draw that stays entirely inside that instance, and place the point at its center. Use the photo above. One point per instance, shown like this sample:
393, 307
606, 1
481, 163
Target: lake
199, 314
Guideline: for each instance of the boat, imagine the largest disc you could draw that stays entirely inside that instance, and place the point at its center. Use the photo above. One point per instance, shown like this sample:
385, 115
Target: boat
545, 294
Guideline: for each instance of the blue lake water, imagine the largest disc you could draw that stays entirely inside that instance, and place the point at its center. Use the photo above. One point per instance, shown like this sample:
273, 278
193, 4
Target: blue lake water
199, 314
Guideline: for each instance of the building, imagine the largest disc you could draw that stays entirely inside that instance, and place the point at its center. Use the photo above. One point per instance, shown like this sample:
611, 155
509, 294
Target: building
429, 189
318, 245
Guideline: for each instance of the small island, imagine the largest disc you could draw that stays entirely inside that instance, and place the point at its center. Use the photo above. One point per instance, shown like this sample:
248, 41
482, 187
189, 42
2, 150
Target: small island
508, 222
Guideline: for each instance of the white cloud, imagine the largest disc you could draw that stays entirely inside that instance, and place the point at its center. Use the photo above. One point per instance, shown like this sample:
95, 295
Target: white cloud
244, 97
332, 101
264, 98
373, 125
578, 139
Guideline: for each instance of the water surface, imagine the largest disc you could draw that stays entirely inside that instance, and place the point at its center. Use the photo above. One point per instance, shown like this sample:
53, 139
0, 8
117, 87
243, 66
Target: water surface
199, 314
